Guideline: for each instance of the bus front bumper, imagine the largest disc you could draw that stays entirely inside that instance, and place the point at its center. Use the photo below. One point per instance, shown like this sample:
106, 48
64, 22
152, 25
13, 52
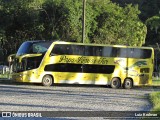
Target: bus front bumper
25, 78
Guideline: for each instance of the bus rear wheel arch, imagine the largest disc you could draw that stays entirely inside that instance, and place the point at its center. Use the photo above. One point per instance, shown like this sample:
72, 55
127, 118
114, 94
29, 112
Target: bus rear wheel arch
115, 82
128, 83
47, 80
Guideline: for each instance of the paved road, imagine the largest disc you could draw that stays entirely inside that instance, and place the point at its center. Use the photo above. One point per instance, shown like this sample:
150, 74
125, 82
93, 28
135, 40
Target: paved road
29, 97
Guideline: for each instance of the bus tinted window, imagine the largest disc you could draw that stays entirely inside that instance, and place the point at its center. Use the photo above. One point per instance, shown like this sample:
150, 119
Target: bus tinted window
34, 47
67, 50
142, 53
89, 51
122, 52
58, 49
85, 68
125, 52
61, 49
98, 50
109, 52
78, 49
134, 53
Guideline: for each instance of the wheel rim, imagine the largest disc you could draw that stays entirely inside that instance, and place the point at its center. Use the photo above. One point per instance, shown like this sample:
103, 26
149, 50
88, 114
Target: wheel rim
128, 83
115, 83
47, 81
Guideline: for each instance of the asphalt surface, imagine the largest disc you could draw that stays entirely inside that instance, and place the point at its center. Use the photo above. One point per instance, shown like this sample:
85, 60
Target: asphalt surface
31, 97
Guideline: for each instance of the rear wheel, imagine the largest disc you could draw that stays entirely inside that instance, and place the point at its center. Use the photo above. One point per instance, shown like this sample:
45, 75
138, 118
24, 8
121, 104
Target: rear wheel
128, 83
115, 83
47, 80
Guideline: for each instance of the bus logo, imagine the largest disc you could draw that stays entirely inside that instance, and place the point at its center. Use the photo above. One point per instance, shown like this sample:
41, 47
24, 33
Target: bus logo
6, 114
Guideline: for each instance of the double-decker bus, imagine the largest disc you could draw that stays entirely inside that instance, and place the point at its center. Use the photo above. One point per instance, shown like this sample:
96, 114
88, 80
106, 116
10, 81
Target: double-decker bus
49, 62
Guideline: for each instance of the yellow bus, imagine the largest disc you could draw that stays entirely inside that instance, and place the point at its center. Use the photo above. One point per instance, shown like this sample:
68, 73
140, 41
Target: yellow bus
49, 62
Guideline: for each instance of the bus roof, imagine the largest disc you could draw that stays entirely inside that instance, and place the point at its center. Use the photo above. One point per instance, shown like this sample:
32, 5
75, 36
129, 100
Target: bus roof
93, 44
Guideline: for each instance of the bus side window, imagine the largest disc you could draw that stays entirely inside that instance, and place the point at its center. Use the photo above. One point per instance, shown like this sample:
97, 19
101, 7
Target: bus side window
130, 52
78, 49
89, 51
114, 52
122, 52
98, 51
137, 53
67, 50
57, 50
142, 53
126, 52
147, 53
54, 50
109, 52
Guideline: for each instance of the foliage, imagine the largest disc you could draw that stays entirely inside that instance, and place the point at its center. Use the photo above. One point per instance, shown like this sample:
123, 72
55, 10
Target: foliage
106, 22
65, 18
120, 26
19, 21
154, 23
148, 8
62, 19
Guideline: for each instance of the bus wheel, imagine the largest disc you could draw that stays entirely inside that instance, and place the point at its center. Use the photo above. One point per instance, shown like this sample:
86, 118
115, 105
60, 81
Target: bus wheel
47, 80
128, 83
115, 83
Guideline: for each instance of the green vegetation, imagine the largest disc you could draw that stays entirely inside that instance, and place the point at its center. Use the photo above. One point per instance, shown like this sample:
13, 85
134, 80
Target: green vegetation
4, 76
106, 22
155, 98
156, 82
149, 14
124, 22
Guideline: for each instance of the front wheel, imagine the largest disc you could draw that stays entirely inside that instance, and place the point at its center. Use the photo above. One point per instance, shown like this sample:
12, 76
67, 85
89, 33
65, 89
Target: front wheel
47, 80
128, 83
115, 83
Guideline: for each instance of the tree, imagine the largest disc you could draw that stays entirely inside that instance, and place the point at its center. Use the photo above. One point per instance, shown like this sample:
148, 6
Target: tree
63, 19
106, 22
154, 23
19, 21
117, 25
148, 9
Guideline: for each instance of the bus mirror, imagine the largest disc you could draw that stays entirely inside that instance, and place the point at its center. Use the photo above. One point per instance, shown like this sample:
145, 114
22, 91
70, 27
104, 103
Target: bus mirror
10, 59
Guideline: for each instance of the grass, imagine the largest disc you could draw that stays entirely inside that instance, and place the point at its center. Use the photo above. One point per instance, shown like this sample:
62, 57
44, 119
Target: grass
155, 99
155, 96
4, 76
156, 82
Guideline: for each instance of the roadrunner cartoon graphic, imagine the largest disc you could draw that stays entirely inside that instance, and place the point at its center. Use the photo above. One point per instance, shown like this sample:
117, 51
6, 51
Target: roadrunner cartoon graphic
121, 63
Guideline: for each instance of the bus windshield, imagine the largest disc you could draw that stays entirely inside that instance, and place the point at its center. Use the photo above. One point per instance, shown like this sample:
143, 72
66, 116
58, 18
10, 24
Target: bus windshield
30, 47
27, 63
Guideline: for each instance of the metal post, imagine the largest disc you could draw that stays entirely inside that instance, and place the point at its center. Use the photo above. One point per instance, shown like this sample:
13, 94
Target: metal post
83, 21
